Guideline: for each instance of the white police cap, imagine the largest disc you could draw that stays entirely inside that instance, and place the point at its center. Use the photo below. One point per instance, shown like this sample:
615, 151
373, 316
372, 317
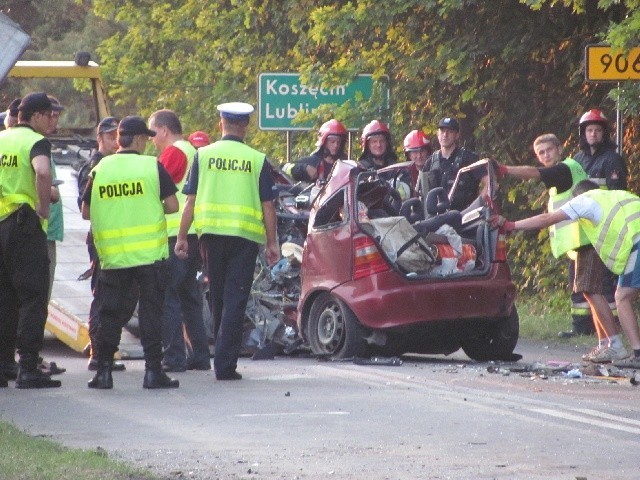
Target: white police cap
235, 110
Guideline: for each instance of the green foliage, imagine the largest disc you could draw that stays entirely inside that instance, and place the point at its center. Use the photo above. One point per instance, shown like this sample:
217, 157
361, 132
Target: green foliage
509, 70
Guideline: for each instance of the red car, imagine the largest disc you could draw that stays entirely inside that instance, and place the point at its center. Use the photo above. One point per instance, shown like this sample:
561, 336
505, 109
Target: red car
358, 298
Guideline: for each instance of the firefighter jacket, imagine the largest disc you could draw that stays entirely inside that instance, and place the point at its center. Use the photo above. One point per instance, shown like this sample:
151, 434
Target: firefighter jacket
228, 198
614, 235
127, 216
567, 235
605, 167
298, 170
173, 219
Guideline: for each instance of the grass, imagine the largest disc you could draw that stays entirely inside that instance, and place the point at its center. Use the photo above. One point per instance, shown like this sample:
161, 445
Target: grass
31, 458
543, 316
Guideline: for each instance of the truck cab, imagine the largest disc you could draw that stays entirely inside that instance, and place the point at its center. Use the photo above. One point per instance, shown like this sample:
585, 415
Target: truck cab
77, 84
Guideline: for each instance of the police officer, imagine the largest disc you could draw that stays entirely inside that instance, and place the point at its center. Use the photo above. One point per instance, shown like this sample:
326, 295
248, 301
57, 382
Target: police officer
230, 193
444, 164
183, 301
126, 199
11, 117
332, 138
25, 193
107, 138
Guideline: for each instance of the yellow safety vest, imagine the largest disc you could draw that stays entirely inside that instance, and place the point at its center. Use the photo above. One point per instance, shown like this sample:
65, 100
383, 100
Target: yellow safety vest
17, 178
173, 219
228, 197
567, 235
613, 236
127, 216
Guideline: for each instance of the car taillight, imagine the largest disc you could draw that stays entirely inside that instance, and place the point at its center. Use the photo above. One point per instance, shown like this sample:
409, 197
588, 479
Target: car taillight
501, 247
367, 260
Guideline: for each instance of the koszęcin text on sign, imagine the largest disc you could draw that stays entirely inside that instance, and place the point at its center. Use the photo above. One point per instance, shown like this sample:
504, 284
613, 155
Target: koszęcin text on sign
282, 95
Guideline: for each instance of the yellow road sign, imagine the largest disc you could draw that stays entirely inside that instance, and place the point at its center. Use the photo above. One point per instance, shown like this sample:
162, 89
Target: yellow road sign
603, 64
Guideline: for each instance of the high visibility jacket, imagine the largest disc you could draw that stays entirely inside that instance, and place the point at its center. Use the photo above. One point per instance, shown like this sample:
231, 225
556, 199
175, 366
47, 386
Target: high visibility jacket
228, 198
566, 236
17, 178
127, 216
173, 219
613, 236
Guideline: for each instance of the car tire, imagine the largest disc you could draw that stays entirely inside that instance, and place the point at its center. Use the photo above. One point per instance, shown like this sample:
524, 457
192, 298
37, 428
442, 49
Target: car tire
494, 341
333, 329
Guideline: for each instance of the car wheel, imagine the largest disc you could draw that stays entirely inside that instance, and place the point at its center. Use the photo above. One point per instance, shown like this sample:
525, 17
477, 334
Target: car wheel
333, 329
493, 341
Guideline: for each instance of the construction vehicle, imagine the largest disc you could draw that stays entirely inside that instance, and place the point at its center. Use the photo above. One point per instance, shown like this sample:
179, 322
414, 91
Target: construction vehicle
77, 84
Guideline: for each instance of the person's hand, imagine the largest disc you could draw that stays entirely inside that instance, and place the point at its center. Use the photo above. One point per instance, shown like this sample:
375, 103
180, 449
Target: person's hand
312, 172
500, 221
181, 249
42, 211
272, 253
501, 169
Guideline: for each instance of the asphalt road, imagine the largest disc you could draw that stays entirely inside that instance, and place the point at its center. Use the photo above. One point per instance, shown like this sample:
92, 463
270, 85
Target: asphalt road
433, 417
295, 417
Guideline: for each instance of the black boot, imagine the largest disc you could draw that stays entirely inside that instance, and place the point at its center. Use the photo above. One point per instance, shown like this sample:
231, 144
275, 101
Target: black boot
9, 369
158, 379
34, 378
3, 381
116, 366
102, 379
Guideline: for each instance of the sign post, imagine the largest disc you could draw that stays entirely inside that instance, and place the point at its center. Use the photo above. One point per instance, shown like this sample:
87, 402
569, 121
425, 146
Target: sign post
604, 64
282, 95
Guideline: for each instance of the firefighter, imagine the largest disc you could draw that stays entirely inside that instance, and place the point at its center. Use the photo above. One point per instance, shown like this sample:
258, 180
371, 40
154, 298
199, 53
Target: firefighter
417, 149
377, 147
332, 139
604, 166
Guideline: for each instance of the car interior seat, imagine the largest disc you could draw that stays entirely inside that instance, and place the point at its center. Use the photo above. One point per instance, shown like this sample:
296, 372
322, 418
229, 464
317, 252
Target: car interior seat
437, 213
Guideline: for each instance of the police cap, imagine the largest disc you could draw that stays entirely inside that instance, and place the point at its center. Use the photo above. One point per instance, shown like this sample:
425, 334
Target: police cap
35, 102
235, 110
108, 124
134, 125
450, 123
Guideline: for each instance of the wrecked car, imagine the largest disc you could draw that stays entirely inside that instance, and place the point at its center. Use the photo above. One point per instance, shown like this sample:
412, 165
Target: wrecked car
383, 277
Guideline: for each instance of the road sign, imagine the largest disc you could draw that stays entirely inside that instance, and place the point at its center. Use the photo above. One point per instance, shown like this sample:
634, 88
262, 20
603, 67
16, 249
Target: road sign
282, 95
603, 64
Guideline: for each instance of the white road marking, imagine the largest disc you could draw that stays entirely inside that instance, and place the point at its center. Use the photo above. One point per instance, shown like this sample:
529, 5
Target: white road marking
290, 414
608, 416
590, 421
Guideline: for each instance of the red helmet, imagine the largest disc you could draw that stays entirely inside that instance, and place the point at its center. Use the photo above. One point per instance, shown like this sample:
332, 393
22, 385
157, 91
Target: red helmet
332, 127
372, 128
416, 140
593, 116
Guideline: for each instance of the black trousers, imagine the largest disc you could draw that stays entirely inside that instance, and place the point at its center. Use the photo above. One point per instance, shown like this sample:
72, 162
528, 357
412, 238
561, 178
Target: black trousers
24, 286
230, 264
115, 286
94, 320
